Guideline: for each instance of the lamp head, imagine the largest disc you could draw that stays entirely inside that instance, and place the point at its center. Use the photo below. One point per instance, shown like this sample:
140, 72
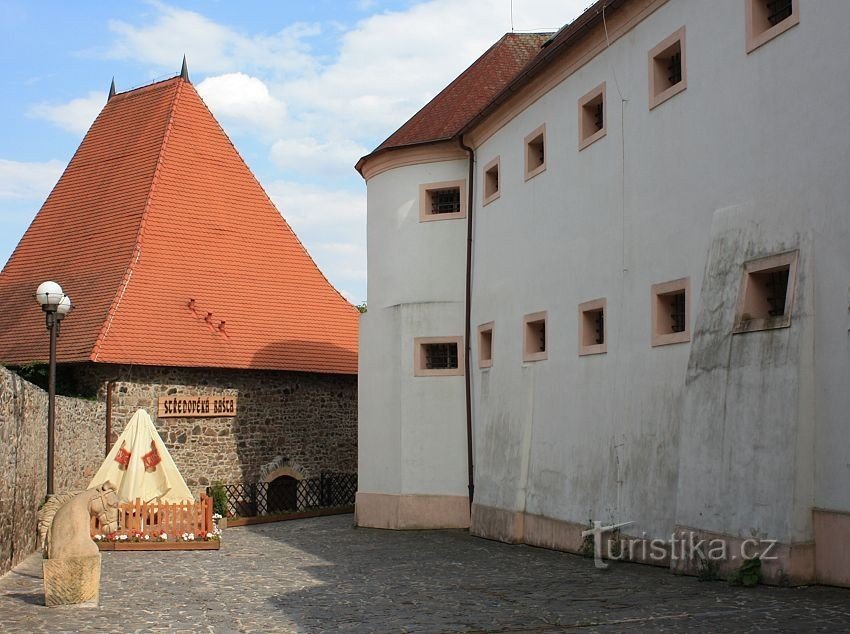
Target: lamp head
65, 306
49, 294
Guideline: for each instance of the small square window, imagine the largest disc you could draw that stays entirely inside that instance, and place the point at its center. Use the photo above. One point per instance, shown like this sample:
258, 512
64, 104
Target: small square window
667, 69
767, 293
768, 18
438, 356
535, 152
592, 122
592, 327
671, 312
534, 344
485, 345
491, 181
442, 201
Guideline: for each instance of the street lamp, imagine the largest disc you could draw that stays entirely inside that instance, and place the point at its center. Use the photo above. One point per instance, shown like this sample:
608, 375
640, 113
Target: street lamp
55, 305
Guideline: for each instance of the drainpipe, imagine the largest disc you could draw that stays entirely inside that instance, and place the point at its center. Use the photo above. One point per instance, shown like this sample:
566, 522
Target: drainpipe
108, 426
468, 317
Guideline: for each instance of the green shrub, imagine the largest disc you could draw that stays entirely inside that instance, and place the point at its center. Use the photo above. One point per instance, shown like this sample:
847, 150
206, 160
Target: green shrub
748, 573
219, 497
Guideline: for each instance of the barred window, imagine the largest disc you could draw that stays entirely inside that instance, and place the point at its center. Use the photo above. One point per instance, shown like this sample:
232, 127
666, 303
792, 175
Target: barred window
440, 356
445, 201
671, 312
767, 293
442, 201
667, 73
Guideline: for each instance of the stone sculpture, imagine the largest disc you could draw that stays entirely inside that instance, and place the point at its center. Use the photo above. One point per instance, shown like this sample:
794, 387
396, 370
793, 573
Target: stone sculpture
71, 559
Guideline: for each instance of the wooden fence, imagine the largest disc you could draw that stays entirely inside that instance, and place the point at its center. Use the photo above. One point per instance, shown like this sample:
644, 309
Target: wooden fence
158, 517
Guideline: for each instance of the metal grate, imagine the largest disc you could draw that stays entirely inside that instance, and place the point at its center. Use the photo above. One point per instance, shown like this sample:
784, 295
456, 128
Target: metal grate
251, 499
777, 290
600, 327
540, 328
536, 152
674, 68
441, 356
677, 305
599, 117
445, 201
778, 10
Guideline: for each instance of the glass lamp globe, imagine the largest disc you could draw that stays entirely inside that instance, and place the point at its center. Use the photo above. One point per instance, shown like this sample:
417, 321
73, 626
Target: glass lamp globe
49, 294
64, 306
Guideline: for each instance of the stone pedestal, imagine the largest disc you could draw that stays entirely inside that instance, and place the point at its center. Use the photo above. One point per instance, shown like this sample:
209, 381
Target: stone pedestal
72, 580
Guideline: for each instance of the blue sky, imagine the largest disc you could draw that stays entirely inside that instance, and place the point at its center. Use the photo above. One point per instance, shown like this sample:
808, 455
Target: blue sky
302, 88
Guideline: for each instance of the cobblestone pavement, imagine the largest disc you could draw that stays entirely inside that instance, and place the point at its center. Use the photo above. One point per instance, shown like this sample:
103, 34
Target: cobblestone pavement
322, 575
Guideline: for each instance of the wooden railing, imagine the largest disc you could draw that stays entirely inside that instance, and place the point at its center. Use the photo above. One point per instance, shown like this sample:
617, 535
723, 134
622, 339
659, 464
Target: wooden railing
158, 517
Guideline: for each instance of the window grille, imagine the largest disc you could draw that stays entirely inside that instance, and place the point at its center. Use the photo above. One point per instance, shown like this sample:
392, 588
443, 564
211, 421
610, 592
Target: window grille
677, 303
674, 68
441, 356
540, 332
445, 201
600, 327
778, 10
598, 116
777, 290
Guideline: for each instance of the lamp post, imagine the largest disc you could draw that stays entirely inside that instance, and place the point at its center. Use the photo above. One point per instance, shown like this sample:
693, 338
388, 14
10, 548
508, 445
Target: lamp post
55, 305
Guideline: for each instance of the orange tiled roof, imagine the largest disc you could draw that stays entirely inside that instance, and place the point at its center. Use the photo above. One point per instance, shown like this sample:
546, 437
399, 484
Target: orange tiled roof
447, 113
156, 208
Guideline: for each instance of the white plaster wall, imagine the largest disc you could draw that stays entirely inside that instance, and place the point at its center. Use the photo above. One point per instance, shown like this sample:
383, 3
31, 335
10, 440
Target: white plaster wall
412, 436
599, 437
410, 261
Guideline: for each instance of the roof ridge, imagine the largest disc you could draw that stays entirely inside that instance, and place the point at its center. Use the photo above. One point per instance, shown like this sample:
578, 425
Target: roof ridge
271, 202
137, 251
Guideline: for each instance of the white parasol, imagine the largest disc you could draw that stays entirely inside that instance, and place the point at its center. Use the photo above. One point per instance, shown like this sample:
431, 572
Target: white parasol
140, 466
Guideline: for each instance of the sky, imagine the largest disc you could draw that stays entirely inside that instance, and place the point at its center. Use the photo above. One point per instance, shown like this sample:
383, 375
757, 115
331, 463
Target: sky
303, 89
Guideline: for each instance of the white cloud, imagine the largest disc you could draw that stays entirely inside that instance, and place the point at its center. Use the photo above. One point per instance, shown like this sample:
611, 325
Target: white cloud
305, 155
28, 181
332, 226
210, 47
392, 63
244, 100
74, 116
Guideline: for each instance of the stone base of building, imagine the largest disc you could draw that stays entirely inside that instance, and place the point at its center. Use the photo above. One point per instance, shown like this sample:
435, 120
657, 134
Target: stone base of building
785, 564
411, 512
782, 563
71, 581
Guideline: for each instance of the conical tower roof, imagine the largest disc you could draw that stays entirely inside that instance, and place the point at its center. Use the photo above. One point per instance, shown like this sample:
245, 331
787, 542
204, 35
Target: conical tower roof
172, 253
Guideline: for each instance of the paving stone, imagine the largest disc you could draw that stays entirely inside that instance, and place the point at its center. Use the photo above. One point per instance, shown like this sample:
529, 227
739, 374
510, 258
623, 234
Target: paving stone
323, 575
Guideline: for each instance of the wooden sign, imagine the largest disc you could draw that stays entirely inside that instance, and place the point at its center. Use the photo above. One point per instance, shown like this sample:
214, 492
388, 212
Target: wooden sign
183, 406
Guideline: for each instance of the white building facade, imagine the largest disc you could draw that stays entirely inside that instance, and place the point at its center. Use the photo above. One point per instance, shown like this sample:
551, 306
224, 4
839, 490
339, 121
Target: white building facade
658, 323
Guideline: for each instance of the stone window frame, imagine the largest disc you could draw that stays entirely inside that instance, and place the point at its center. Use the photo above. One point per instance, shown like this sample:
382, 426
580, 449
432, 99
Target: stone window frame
485, 331
657, 93
757, 33
787, 259
667, 288
425, 190
528, 324
419, 368
488, 192
528, 149
593, 305
587, 134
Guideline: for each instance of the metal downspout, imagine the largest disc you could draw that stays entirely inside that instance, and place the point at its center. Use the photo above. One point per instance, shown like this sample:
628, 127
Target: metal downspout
468, 318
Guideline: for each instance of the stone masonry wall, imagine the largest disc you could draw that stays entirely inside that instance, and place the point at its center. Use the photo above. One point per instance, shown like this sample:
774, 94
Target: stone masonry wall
309, 418
79, 451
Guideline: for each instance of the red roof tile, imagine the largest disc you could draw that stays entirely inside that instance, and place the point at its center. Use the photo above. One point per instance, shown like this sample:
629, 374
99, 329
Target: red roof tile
157, 208
447, 113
